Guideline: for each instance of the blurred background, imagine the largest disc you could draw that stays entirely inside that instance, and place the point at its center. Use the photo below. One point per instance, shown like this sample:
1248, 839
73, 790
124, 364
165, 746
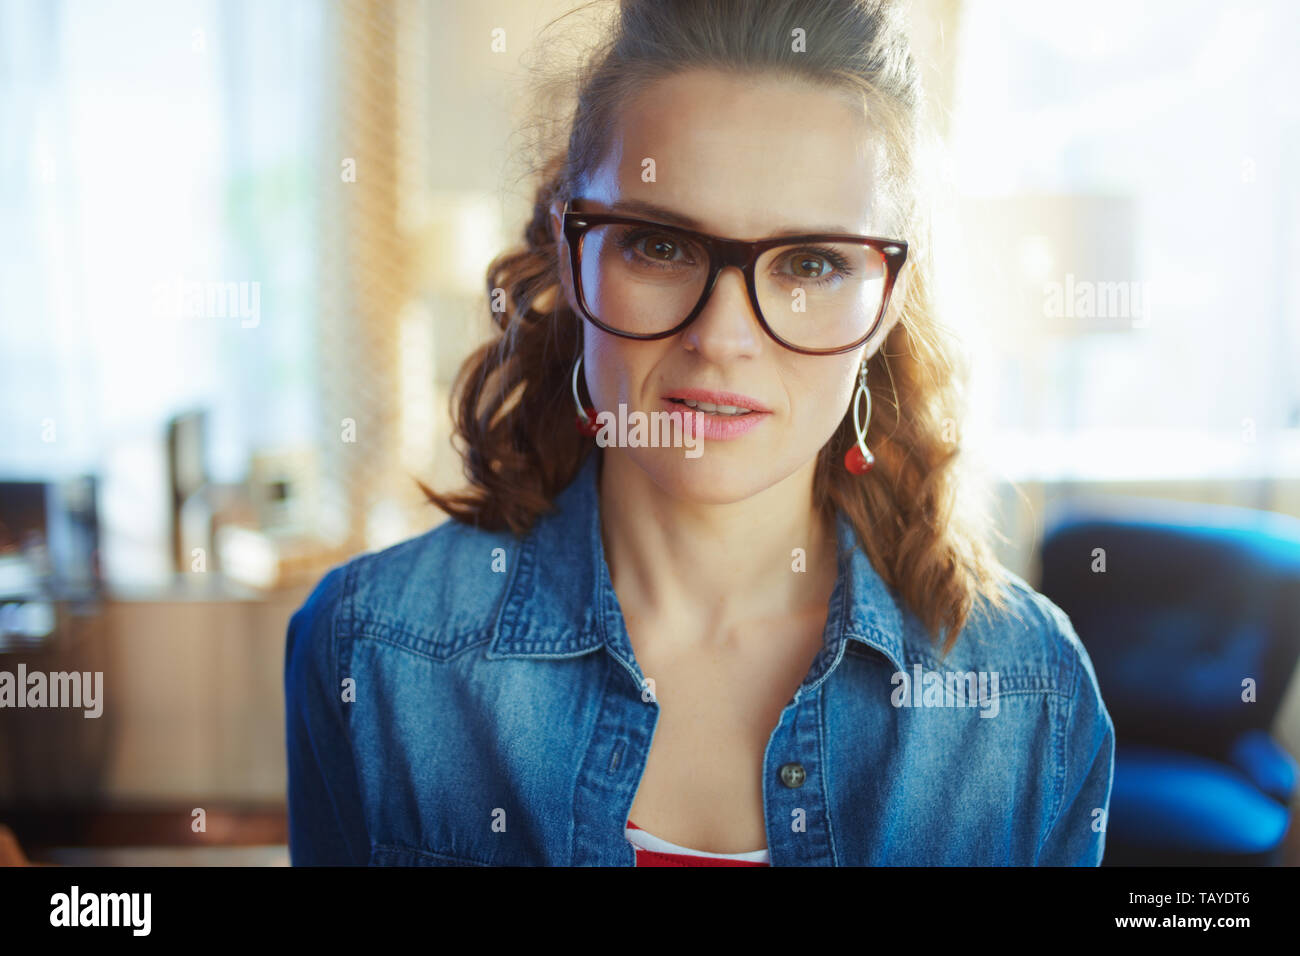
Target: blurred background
242, 248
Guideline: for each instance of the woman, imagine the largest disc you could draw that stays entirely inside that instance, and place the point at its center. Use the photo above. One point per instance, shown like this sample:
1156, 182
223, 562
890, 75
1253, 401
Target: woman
766, 637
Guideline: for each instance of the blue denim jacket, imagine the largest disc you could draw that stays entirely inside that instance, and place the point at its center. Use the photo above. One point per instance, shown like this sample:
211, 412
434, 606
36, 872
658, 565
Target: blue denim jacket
471, 698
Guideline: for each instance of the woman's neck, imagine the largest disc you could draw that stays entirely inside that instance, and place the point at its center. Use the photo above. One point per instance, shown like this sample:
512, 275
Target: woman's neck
701, 569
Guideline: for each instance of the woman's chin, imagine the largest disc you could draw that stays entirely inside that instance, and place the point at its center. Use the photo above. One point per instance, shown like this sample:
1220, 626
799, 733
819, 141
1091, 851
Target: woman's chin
717, 476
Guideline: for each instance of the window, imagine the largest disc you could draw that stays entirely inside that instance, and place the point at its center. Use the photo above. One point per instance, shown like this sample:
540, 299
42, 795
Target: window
1138, 161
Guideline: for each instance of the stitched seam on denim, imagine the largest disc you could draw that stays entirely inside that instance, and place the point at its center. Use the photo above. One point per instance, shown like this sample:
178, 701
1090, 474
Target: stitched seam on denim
336, 646
374, 629
824, 766
338, 636
418, 652
403, 848
547, 651
1062, 759
844, 620
1031, 692
601, 587
582, 763
1073, 683
521, 583
1009, 683
507, 598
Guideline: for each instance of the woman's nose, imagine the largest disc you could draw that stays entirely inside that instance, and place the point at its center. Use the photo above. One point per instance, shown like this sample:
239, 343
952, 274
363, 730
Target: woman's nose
727, 326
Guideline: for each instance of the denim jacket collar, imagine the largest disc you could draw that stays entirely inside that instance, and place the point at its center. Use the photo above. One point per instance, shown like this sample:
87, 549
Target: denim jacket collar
561, 602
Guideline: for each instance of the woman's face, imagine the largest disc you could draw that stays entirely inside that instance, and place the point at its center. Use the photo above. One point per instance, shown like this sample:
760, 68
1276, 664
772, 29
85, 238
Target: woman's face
740, 158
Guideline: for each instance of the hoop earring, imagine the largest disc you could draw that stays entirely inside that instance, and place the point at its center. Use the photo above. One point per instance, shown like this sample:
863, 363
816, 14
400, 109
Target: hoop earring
859, 459
586, 421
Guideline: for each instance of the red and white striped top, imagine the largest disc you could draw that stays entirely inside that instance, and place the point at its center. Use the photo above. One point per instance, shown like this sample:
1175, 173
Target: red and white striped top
652, 851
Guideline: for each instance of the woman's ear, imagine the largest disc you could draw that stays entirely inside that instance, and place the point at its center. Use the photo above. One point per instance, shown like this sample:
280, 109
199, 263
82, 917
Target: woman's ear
896, 299
893, 313
556, 219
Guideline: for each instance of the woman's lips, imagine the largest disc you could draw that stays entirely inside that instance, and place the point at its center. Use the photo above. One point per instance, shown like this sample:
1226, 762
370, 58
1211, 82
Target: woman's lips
717, 398
716, 427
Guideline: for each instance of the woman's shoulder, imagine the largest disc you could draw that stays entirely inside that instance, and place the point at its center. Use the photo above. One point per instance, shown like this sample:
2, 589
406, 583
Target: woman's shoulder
444, 581
1029, 641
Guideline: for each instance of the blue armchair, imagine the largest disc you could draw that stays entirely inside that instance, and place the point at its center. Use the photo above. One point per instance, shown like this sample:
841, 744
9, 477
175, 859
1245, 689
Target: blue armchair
1193, 627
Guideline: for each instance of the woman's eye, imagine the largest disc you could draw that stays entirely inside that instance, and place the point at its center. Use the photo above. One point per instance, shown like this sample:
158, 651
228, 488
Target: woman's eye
809, 266
659, 247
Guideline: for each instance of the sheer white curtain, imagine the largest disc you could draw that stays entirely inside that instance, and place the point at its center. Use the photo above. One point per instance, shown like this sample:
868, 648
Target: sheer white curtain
154, 156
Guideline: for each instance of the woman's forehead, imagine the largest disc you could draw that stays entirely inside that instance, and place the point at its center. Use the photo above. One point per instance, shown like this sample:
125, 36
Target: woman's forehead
743, 156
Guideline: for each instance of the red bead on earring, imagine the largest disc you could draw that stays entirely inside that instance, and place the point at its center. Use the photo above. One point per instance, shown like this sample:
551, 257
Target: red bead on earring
587, 423
856, 463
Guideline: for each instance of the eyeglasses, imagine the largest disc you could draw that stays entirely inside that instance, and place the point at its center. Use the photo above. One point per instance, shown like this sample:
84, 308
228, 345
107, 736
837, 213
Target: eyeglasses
818, 294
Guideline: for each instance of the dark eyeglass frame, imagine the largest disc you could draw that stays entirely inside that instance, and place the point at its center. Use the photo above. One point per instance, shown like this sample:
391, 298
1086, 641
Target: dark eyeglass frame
742, 254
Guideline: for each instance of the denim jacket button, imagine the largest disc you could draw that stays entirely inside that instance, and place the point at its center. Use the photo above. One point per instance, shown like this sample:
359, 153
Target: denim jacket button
792, 775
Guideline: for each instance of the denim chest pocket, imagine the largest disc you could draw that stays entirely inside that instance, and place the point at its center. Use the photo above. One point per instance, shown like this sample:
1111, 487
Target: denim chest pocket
454, 765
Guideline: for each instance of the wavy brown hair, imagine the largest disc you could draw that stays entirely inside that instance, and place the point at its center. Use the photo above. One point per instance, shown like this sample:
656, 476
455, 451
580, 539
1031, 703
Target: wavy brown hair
512, 404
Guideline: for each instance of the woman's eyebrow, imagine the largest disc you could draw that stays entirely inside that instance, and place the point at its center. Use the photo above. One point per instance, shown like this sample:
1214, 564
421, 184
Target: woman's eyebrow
663, 214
